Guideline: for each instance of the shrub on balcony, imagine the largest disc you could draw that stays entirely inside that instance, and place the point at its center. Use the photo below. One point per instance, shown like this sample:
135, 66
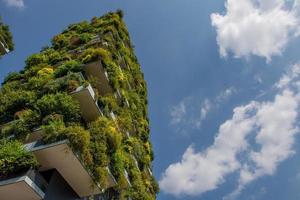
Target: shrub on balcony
135, 147
35, 59
13, 76
14, 158
60, 103
68, 83
14, 101
108, 103
69, 66
91, 55
109, 132
22, 127
78, 137
125, 120
59, 41
82, 27
101, 176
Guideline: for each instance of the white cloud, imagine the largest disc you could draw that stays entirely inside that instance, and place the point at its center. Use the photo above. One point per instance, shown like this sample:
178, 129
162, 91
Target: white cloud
15, 3
178, 113
273, 125
256, 27
205, 109
191, 112
224, 95
201, 172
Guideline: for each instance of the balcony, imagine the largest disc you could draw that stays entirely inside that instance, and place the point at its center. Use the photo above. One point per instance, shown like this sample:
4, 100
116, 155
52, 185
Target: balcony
37, 134
127, 177
88, 104
3, 48
95, 70
122, 63
27, 186
135, 162
61, 157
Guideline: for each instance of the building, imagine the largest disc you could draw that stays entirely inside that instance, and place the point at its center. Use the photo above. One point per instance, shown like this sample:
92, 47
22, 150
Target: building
6, 43
75, 120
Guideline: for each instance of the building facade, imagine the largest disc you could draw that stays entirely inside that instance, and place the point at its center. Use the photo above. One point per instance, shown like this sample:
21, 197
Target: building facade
75, 120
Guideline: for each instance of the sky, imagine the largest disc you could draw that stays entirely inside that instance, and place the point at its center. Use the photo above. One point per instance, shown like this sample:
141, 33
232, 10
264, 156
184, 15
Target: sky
223, 85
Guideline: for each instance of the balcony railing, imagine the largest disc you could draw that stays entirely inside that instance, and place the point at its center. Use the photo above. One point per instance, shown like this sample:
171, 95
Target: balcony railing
26, 186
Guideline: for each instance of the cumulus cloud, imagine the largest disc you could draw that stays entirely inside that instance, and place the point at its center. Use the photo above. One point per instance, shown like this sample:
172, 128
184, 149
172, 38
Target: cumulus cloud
201, 172
15, 3
273, 124
256, 27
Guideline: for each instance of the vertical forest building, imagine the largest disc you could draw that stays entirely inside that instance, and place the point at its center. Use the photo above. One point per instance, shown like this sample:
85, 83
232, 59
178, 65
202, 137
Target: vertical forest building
74, 122
6, 41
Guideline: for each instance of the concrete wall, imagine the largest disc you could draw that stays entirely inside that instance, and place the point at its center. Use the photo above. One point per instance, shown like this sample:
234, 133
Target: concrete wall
58, 188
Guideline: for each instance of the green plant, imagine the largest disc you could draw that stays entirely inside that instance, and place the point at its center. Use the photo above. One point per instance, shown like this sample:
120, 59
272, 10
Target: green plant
14, 158
68, 83
14, 101
60, 103
12, 77
60, 41
35, 59
92, 54
69, 66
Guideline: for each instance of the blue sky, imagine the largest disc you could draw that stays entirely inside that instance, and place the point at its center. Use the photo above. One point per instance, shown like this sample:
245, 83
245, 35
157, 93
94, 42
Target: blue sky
223, 88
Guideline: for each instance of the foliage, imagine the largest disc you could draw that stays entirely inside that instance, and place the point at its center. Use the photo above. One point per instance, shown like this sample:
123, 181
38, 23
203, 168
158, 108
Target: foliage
69, 66
79, 137
92, 54
59, 103
67, 83
59, 41
12, 77
35, 59
14, 101
14, 158
22, 127
40, 96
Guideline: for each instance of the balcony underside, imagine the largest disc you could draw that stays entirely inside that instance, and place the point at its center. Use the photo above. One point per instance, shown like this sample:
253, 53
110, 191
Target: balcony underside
60, 156
88, 107
20, 188
96, 71
3, 49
